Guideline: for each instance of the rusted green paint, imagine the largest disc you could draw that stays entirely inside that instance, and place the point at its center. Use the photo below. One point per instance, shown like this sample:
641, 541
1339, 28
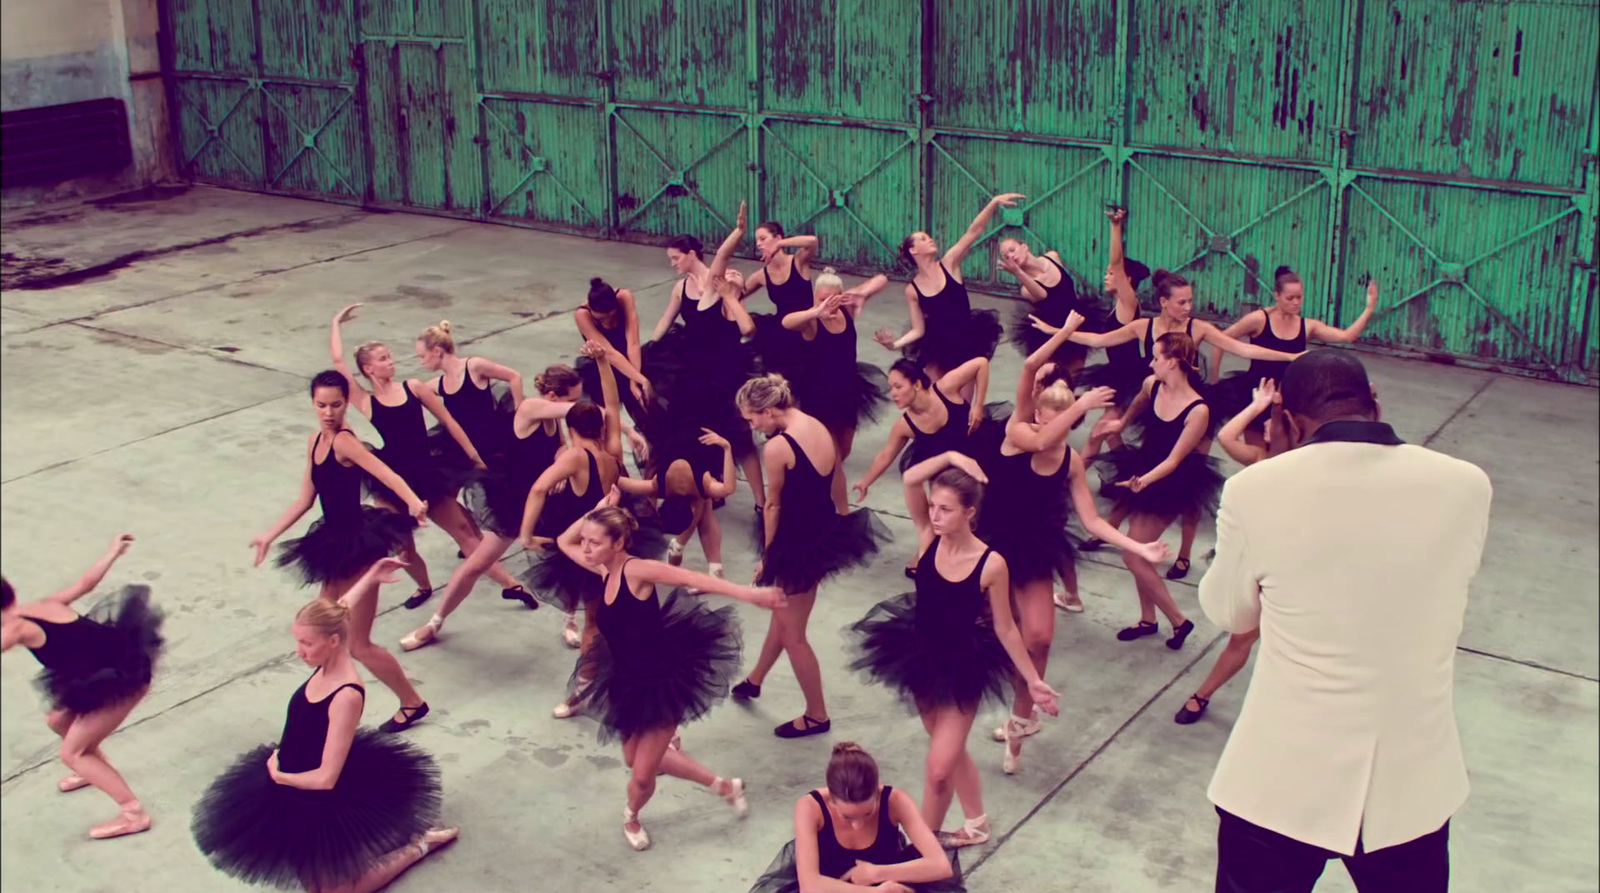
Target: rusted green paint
1446, 148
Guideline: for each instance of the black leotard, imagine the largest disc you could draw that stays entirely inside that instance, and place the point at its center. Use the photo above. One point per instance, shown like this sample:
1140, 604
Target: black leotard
305, 728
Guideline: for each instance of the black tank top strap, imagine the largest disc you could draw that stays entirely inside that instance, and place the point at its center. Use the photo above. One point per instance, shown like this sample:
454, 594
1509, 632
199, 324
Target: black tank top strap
360, 690
1149, 339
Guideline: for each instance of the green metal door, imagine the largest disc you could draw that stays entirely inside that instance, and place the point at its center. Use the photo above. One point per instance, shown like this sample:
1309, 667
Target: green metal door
1446, 148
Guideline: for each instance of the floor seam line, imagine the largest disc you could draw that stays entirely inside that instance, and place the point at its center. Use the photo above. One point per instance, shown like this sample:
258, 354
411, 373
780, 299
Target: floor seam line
1487, 381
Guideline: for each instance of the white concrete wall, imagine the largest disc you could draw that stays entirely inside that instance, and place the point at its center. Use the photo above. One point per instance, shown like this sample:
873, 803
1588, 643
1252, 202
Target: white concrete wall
60, 51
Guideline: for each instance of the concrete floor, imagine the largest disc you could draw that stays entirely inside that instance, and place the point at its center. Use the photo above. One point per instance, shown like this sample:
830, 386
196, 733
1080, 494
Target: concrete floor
159, 389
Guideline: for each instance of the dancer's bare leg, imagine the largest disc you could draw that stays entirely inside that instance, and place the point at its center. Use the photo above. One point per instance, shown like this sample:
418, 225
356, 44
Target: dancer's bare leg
792, 632
949, 771
1152, 588
393, 865
465, 576
80, 750
374, 657
454, 520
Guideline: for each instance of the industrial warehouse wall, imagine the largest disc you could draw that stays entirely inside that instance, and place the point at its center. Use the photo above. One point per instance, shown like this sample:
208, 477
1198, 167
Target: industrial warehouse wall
1446, 148
56, 52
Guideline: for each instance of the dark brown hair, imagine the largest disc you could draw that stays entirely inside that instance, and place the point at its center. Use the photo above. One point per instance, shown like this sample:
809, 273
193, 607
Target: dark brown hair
686, 244
1180, 347
8, 596
587, 420
557, 379
852, 773
912, 372
1165, 282
771, 226
1283, 276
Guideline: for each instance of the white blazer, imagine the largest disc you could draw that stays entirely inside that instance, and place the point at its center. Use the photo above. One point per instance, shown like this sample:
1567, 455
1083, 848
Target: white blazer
1352, 554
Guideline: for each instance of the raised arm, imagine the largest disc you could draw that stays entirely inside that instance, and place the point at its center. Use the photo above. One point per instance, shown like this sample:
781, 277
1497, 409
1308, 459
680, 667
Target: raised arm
1210, 334
899, 436
493, 371
1133, 330
733, 308
611, 436
1098, 527
915, 482
431, 401
358, 394
1022, 413
1316, 330
1231, 437
919, 324
1047, 436
958, 252
1248, 326
660, 573
302, 504
798, 320
859, 295
719, 264
805, 249
96, 572
723, 487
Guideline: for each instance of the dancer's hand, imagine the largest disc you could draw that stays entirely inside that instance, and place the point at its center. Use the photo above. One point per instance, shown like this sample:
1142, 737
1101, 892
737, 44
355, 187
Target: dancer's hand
272, 766
743, 220
613, 496
1043, 326
531, 542
119, 546
832, 303
1135, 483
893, 887
1155, 552
974, 417
1008, 199
386, 568
860, 488
1044, 696
1116, 214
769, 597
1265, 394
760, 565
885, 337
1097, 398
419, 510
641, 392
711, 438
1009, 265
639, 446
348, 313
592, 349
1074, 321
864, 874
261, 544
969, 465
1372, 294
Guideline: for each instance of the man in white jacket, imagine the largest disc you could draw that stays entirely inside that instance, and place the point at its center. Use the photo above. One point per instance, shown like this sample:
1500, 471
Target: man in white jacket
1352, 554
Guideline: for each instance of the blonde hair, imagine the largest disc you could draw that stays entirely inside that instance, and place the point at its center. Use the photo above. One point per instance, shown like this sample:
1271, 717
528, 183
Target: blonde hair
1179, 346
770, 391
828, 278
616, 521
363, 354
329, 618
438, 336
1058, 396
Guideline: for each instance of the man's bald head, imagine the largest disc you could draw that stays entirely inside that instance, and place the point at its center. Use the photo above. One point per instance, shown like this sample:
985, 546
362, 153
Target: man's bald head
1327, 384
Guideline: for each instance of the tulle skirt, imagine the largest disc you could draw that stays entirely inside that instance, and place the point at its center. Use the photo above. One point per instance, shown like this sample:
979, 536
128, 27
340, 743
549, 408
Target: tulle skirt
1034, 542
122, 662
694, 662
1195, 486
1231, 395
948, 345
697, 386
345, 549
1125, 378
260, 832
981, 444
844, 399
498, 498
804, 552
589, 371
930, 667
778, 349
781, 876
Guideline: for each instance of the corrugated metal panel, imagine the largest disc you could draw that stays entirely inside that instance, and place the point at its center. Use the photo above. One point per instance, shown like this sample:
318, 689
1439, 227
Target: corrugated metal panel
548, 46
1034, 66
680, 51
1227, 225
840, 57
1498, 91
848, 185
1250, 78
1241, 135
1065, 187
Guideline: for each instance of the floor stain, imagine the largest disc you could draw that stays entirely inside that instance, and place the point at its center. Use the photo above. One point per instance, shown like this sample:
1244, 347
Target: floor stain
548, 756
426, 298
600, 761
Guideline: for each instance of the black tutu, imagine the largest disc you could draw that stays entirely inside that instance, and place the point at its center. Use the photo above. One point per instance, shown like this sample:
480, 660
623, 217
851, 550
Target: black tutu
695, 661
1124, 378
1035, 547
949, 346
498, 498
1027, 339
781, 876
930, 668
779, 349
699, 391
589, 371
1231, 395
125, 647
842, 401
980, 444
804, 554
340, 551
1194, 486
260, 832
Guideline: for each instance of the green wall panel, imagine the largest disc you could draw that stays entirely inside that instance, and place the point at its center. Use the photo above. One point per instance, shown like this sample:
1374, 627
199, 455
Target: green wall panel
1448, 148
849, 58
846, 185
547, 164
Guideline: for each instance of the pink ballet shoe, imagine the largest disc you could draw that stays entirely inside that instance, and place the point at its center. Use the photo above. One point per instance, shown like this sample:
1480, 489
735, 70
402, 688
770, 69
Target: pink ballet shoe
72, 783
132, 821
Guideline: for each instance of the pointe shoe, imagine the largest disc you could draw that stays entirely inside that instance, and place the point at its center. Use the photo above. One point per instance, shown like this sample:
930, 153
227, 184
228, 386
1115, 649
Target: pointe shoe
735, 796
640, 839
1068, 602
1025, 727
1012, 760
131, 821
436, 838
72, 783
973, 832
675, 553
569, 632
422, 637
566, 710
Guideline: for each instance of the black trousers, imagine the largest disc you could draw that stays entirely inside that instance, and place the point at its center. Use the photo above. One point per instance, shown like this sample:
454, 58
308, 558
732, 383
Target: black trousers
1251, 859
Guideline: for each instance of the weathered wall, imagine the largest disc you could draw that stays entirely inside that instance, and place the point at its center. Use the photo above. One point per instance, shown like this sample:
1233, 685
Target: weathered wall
60, 51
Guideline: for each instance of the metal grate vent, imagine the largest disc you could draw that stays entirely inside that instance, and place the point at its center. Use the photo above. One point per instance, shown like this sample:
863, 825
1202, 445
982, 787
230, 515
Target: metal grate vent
60, 142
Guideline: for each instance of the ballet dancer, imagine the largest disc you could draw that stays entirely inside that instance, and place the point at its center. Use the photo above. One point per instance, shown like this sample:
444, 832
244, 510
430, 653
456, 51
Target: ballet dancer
1165, 477
95, 670
704, 361
688, 484
806, 539
342, 544
395, 410
610, 317
658, 662
945, 331
1123, 370
851, 835
1051, 295
485, 419
330, 807
785, 275
953, 643
500, 499
838, 391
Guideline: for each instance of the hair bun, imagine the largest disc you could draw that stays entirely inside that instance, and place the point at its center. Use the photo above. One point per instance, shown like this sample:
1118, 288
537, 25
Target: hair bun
444, 326
829, 271
844, 747
1282, 269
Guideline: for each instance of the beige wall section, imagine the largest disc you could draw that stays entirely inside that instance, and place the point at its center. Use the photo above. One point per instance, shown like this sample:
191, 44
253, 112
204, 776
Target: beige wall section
54, 52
